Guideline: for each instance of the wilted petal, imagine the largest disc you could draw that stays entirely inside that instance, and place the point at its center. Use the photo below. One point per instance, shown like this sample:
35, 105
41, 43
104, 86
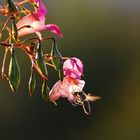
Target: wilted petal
73, 67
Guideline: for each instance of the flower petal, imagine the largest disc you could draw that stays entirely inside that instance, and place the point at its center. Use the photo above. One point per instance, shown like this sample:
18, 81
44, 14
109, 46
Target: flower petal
41, 10
35, 25
54, 93
73, 67
32, 21
41, 7
66, 89
54, 29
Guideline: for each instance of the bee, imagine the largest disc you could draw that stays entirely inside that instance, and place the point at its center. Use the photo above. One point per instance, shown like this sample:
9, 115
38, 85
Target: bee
84, 100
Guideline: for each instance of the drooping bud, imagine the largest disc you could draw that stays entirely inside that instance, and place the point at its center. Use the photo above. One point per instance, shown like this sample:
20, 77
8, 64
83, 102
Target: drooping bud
12, 9
32, 82
45, 91
57, 60
40, 61
14, 72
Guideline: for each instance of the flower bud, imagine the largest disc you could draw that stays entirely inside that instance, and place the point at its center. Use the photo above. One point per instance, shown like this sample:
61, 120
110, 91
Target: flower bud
14, 72
14, 30
45, 91
40, 61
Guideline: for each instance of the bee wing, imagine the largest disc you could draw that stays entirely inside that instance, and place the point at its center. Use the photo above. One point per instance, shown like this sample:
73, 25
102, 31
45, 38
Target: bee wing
92, 97
86, 107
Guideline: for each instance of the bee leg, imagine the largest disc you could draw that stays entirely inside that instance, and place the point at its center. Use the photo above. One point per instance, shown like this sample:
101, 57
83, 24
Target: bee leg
86, 107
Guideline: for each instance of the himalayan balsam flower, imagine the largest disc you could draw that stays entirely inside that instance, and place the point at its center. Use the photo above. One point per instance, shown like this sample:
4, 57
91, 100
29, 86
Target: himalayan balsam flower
72, 87
66, 89
73, 68
41, 10
35, 22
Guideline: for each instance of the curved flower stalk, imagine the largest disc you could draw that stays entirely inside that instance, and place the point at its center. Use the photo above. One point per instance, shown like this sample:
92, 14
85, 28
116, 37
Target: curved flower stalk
70, 84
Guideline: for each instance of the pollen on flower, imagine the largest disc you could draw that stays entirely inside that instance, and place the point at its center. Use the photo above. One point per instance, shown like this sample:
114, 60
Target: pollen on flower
66, 89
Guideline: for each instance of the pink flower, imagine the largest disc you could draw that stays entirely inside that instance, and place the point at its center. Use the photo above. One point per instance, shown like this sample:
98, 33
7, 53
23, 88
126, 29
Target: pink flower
35, 22
41, 9
73, 67
66, 89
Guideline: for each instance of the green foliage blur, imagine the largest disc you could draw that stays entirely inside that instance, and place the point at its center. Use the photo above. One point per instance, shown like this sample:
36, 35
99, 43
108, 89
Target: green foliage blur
105, 35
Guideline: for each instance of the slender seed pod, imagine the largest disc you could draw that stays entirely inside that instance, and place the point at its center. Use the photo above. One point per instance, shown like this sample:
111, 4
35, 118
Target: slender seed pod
61, 75
57, 57
40, 61
57, 60
14, 30
14, 72
32, 82
45, 91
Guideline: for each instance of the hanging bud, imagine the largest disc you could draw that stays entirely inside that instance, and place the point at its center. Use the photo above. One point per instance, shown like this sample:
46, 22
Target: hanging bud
45, 91
14, 30
57, 60
40, 61
14, 72
32, 82
12, 9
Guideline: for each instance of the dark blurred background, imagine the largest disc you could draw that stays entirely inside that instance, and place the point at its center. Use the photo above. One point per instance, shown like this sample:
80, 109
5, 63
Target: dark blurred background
105, 35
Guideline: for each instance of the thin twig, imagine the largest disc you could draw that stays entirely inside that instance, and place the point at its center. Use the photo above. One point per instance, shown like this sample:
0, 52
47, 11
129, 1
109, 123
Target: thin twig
3, 64
28, 39
6, 24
